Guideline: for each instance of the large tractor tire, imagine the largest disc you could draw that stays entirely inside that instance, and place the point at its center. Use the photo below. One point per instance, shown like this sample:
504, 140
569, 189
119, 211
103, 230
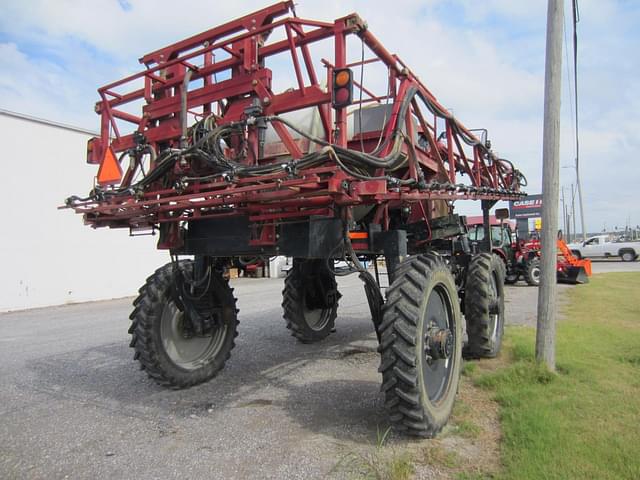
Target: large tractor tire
310, 300
500, 263
532, 272
484, 306
167, 349
421, 346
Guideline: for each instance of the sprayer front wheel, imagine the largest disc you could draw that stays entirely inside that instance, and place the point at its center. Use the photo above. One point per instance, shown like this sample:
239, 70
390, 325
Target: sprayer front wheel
421, 346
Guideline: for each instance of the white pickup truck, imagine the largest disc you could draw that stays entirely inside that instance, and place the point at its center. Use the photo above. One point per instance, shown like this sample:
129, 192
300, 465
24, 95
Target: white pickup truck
602, 246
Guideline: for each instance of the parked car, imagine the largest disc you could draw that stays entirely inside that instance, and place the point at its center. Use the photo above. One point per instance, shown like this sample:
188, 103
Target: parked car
602, 246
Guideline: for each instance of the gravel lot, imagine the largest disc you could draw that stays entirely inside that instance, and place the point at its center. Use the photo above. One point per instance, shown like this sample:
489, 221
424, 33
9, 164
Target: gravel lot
74, 405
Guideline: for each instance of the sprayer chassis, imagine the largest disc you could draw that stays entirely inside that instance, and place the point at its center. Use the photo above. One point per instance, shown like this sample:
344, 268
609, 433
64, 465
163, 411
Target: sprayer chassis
379, 179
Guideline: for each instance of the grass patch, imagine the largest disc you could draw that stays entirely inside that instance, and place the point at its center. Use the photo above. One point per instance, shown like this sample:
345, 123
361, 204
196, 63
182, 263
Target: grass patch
439, 456
461, 422
474, 476
399, 467
461, 409
469, 368
467, 429
581, 422
633, 359
377, 463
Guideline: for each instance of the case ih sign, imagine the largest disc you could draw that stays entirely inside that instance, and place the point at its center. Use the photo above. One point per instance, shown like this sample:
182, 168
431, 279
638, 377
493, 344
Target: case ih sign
528, 207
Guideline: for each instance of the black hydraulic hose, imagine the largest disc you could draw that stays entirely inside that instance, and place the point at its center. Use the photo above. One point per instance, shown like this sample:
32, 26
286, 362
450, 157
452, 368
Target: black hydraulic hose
364, 158
370, 160
346, 159
469, 140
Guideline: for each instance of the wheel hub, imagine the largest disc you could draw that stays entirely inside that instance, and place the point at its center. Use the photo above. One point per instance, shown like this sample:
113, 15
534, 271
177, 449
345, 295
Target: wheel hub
183, 346
195, 324
440, 343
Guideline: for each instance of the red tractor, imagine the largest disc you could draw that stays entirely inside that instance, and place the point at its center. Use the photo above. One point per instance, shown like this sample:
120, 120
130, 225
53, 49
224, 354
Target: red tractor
520, 258
524, 263
202, 146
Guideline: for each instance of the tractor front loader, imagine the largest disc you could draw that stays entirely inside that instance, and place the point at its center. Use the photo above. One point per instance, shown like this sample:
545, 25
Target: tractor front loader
340, 159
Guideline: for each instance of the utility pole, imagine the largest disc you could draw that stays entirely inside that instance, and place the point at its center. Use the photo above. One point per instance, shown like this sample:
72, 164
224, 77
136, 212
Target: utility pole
547, 293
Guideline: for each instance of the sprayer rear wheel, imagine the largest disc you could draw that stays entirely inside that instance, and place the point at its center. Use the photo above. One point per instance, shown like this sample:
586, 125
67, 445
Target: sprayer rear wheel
484, 306
304, 314
170, 354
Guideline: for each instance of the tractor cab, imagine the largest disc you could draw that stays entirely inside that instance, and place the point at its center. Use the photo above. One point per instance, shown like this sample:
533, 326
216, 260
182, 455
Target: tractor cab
503, 239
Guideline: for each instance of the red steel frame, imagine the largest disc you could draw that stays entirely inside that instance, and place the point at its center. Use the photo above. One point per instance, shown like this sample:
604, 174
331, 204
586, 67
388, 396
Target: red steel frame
240, 48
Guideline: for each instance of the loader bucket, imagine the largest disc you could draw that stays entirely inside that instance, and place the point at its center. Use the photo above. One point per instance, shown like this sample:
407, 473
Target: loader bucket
573, 275
570, 269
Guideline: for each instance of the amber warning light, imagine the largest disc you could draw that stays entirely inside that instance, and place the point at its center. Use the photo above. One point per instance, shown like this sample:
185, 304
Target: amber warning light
342, 87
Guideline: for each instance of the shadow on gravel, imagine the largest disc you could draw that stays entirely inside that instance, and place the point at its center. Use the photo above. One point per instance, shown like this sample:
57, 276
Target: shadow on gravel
266, 360
343, 409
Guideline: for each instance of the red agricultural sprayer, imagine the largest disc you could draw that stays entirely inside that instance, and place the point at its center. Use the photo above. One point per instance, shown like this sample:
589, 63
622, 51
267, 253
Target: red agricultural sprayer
227, 155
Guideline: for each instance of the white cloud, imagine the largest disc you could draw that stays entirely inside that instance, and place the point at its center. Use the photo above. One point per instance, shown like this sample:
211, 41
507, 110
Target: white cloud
34, 86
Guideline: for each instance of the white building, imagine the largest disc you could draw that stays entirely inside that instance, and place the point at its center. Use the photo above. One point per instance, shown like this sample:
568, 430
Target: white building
47, 256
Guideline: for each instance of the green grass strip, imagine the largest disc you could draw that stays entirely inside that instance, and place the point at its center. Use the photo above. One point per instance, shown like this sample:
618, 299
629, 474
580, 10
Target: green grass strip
583, 422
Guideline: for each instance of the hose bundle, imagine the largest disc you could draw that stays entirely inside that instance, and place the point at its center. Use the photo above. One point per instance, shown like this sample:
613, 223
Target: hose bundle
208, 142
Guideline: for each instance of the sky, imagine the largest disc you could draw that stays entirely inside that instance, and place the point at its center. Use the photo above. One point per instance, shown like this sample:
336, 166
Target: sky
483, 60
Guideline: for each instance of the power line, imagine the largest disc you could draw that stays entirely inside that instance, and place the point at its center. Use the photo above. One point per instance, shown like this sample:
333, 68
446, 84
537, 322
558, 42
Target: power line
575, 70
566, 51
576, 18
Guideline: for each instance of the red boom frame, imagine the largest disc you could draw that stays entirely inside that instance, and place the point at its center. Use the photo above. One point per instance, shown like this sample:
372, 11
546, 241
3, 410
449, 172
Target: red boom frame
240, 49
